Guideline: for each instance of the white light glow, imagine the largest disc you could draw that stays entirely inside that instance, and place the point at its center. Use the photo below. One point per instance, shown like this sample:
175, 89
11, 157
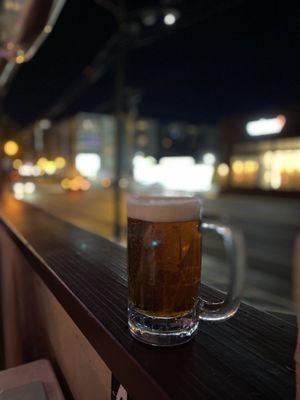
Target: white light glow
265, 126
209, 158
275, 180
36, 171
175, 161
145, 169
192, 178
26, 169
173, 173
18, 188
88, 164
29, 187
19, 196
170, 19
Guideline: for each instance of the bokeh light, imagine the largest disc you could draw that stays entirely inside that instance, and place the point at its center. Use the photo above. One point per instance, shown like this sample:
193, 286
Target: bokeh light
17, 163
170, 19
223, 169
238, 167
60, 162
50, 168
42, 162
29, 187
85, 185
106, 182
209, 158
11, 148
65, 184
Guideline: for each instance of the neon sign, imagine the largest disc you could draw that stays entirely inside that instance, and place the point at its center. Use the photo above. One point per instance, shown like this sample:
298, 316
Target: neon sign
263, 126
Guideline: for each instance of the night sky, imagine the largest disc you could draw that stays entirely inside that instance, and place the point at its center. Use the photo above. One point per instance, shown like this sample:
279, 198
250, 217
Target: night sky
241, 59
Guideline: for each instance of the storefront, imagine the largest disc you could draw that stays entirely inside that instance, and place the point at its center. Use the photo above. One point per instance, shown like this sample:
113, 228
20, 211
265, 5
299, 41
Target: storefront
261, 153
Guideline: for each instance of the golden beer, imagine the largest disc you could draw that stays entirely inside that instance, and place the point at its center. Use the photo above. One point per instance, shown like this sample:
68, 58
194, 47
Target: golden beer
164, 258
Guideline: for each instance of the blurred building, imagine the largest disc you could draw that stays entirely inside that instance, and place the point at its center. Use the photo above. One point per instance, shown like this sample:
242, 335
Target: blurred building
85, 142
181, 159
261, 152
176, 156
146, 137
184, 139
85, 137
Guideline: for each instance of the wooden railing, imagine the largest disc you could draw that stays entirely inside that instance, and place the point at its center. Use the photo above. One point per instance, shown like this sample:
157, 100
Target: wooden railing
64, 297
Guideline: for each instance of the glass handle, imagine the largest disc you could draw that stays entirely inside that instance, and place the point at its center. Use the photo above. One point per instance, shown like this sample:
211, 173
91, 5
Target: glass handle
234, 245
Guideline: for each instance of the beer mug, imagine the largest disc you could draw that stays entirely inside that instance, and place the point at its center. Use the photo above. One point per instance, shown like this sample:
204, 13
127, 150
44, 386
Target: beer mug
164, 269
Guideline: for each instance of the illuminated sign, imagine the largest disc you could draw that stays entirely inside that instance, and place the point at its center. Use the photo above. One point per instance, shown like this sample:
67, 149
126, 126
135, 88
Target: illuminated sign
263, 126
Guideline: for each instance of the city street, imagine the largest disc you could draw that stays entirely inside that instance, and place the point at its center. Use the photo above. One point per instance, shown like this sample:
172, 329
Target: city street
269, 225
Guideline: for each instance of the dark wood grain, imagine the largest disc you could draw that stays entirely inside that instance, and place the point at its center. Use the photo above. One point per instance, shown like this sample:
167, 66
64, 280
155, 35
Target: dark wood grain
247, 357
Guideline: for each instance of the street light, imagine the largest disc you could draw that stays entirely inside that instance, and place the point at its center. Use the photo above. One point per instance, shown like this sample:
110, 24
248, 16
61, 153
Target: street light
171, 17
11, 148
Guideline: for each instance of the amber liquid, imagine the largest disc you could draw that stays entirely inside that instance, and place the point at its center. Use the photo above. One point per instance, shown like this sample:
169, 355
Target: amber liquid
164, 266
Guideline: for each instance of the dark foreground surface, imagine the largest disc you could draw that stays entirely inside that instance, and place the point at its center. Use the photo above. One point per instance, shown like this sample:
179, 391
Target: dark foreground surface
249, 356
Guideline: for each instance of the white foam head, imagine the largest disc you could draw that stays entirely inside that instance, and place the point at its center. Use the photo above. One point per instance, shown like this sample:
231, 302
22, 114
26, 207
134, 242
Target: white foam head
163, 209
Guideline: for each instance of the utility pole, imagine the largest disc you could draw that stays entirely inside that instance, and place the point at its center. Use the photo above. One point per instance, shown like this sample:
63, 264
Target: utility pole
120, 137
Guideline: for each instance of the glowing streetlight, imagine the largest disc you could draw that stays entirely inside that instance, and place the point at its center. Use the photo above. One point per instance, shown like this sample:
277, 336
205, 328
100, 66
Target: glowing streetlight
170, 18
11, 148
